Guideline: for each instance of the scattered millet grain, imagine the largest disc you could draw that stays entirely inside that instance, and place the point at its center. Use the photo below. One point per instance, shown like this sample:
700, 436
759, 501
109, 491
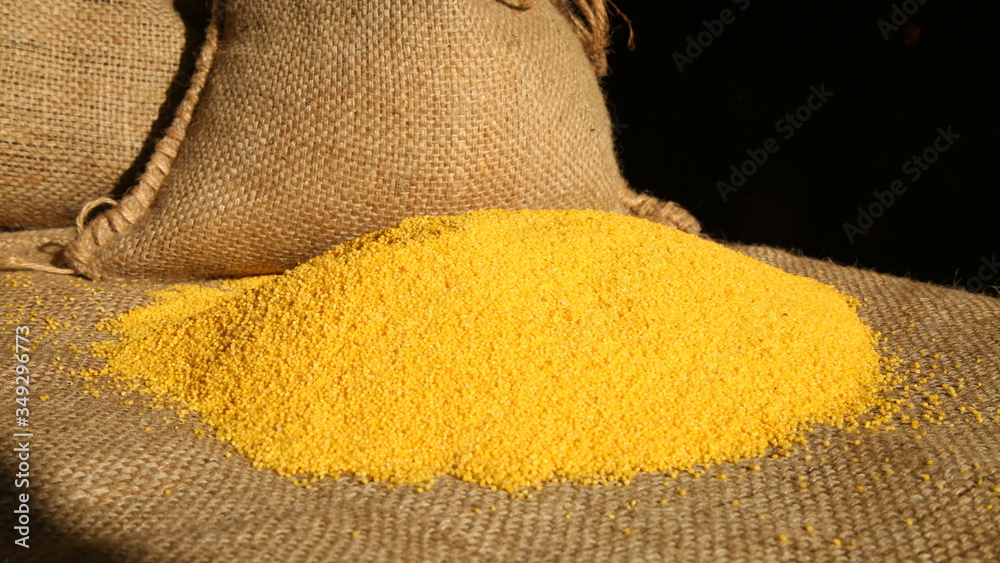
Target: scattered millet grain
507, 348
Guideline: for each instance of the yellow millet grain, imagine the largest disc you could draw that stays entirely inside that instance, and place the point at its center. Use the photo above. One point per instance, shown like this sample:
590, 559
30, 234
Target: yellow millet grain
507, 348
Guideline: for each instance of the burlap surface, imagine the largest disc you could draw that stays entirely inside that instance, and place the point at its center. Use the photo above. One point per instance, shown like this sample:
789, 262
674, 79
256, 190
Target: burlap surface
87, 87
312, 123
99, 479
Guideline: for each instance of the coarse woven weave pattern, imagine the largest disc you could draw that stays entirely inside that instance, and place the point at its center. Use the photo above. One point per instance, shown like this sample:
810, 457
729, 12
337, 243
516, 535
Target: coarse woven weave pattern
100, 470
84, 83
321, 121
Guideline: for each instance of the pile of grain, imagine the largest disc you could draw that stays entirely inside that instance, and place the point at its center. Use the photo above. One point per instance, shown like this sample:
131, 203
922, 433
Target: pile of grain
507, 348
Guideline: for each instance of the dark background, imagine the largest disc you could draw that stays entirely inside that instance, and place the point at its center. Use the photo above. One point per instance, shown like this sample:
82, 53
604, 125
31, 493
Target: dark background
679, 132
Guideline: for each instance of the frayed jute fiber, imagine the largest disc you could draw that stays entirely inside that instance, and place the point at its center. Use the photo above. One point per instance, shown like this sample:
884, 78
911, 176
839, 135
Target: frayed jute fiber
311, 123
121, 482
87, 87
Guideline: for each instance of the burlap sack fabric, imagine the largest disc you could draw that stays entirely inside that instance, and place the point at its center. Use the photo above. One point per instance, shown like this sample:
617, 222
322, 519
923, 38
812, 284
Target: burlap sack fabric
310, 123
86, 87
99, 478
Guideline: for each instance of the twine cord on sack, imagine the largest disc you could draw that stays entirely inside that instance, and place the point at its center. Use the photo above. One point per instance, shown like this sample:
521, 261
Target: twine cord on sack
8, 262
654, 209
88, 208
593, 26
135, 205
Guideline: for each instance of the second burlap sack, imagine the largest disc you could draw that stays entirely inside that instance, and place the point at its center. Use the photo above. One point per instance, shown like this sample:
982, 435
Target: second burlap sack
86, 86
310, 123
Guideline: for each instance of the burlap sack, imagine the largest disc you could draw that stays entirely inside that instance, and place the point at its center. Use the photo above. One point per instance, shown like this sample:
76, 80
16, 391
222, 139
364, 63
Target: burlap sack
310, 123
86, 92
101, 470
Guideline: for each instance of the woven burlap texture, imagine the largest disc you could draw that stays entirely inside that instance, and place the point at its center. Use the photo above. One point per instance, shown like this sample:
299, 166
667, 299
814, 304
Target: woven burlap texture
99, 478
85, 87
311, 123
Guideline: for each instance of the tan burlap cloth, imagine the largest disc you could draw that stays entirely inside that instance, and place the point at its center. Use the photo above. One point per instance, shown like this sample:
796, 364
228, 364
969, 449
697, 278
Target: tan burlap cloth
87, 89
311, 123
99, 478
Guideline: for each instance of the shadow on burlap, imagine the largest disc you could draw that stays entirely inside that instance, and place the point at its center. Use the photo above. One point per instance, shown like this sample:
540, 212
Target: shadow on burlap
100, 469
